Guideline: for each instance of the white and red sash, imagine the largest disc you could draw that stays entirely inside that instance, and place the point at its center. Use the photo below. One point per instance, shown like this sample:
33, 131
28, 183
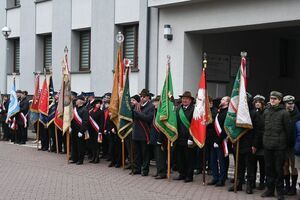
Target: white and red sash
24, 118
94, 124
13, 124
77, 118
219, 130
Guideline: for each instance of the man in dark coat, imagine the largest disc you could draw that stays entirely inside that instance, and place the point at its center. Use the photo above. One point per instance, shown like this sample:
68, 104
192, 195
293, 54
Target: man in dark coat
142, 119
185, 146
219, 146
275, 141
21, 118
289, 102
4, 110
79, 127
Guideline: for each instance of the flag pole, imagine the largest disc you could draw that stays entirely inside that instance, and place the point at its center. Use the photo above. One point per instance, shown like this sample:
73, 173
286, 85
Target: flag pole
14, 82
56, 141
169, 160
203, 159
37, 133
123, 154
68, 145
236, 165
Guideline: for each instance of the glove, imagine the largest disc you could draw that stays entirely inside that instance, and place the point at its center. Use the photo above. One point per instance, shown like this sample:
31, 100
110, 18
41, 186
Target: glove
216, 145
159, 143
190, 142
80, 134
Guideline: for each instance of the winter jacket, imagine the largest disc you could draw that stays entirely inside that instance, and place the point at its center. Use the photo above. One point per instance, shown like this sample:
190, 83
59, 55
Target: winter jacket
277, 131
297, 143
183, 132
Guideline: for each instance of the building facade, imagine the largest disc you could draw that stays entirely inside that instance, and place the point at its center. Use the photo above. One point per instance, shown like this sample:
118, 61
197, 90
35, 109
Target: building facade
269, 30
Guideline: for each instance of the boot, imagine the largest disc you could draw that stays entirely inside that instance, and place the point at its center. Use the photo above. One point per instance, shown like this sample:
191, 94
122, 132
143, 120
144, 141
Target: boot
293, 189
287, 184
93, 157
239, 187
97, 159
261, 186
249, 188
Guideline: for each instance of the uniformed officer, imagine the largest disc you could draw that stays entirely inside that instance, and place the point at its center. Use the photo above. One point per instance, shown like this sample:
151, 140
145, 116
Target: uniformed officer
22, 119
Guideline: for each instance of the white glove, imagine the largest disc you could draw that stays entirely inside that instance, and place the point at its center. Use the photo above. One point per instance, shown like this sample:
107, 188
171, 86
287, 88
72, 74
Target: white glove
216, 145
80, 134
158, 143
190, 142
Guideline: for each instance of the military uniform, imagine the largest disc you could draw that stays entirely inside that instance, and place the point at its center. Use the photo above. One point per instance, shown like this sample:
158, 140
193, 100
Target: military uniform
22, 121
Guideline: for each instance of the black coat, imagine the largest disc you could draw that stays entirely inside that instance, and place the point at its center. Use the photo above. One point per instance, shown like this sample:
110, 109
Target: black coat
84, 115
210, 128
24, 108
258, 128
98, 117
221, 118
277, 128
142, 122
183, 132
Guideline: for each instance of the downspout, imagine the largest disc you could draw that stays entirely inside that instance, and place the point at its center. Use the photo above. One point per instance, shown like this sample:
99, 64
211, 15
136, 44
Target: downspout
147, 49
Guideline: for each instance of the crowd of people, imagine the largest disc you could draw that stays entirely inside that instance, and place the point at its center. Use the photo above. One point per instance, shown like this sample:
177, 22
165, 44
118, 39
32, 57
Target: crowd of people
273, 144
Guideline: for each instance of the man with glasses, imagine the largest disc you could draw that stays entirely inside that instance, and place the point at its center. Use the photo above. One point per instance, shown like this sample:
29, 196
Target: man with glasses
276, 134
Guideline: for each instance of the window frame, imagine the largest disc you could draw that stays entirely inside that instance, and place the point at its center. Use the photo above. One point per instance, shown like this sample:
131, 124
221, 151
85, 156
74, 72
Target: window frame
15, 70
44, 53
80, 47
135, 65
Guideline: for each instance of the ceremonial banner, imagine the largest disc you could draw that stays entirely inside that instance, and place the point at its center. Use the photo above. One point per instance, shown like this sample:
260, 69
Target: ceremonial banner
36, 96
125, 113
166, 120
202, 114
13, 107
238, 120
52, 105
44, 99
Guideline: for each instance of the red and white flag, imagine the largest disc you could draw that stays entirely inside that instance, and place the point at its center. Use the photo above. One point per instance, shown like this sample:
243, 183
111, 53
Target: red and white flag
202, 114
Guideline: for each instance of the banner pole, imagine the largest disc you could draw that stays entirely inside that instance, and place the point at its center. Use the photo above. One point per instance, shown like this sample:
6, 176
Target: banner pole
49, 139
56, 141
169, 160
123, 154
68, 145
131, 154
37, 134
236, 165
203, 166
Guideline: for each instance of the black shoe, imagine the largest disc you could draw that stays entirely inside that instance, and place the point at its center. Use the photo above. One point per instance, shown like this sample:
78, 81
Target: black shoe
197, 171
212, 182
96, 161
179, 178
135, 172
154, 175
220, 184
292, 191
238, 188
267, 193
79, 163
249, 189
117, 165
73, 162
92, 161
160, 177
144, 174
188, 180
261, 186
111, 164
280, 197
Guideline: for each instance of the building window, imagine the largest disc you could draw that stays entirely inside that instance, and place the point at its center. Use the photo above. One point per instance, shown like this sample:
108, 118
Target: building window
48, 51
85, 51
16, 68
17, 2
130, 46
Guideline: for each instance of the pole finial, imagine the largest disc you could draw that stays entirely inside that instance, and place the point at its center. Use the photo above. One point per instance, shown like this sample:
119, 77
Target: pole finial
168, 58
243, 54
120, 38
14, 75
66, 50
204, 60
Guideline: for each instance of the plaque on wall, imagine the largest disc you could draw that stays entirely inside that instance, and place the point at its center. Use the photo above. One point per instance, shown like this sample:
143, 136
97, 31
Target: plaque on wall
235, 63
218, 67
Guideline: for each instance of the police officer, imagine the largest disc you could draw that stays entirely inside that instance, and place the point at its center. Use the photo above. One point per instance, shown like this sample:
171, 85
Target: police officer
22, 119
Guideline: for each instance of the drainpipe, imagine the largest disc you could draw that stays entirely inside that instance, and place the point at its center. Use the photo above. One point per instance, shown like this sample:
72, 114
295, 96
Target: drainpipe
147, 48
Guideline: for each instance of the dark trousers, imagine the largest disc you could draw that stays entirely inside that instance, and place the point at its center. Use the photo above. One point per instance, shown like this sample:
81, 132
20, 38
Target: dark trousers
78, 147
185, 161
199, 159
44, 133
92, 142
218, 164
142, 161
115, 150
161, 160
6, 131
129, 149
105, 145
274, 160
246, 162
261, 161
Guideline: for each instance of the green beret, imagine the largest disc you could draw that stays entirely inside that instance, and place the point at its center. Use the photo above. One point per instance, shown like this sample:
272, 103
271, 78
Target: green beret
276, 94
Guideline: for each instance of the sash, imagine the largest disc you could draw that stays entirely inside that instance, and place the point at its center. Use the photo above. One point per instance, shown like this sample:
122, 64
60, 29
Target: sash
99, 138
183, 119
13, 124
144, 126
94, 124
219, 131
78, 120
24, 118
154, 125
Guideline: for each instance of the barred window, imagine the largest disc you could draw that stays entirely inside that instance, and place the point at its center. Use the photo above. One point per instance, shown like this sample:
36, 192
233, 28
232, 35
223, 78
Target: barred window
16, 68
48, 51
85, 50
17, 2
130, 46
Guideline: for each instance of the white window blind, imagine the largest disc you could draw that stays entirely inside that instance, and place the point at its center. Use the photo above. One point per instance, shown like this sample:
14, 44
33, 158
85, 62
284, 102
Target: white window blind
131, 44
47, 51
85, 50
17, 56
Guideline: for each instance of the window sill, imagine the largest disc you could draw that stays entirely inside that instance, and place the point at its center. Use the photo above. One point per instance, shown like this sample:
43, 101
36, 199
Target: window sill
81, 72
10, 74
13, 7
132, 70
40, 1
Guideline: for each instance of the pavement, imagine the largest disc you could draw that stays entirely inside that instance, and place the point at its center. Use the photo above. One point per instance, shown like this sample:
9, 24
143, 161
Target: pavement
30, 174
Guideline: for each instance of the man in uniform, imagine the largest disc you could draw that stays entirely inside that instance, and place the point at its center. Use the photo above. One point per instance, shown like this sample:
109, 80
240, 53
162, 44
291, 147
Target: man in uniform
22, 121
79, 127
185, 146
276, 134
143, 115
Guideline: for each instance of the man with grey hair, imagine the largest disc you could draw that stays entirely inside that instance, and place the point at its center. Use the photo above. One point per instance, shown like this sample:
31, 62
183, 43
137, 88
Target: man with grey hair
276, 134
